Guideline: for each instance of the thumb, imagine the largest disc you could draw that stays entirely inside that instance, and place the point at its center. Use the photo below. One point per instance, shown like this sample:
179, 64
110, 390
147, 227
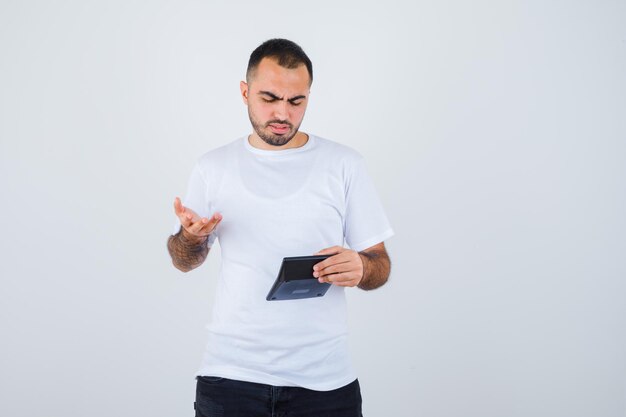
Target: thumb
329, 251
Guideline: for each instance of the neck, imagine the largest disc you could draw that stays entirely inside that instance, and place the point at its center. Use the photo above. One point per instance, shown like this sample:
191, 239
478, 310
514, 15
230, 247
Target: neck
300, 139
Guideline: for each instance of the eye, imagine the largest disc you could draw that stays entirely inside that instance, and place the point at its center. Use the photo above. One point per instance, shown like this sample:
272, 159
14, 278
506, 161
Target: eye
296, 103
269, 100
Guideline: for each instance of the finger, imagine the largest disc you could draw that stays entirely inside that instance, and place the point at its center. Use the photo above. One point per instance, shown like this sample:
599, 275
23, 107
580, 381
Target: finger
197, 226
211, 224
204, 226
178, 207
216, 218
334, 269
333, 260
185, 221
338, 279
189, 216
184, 214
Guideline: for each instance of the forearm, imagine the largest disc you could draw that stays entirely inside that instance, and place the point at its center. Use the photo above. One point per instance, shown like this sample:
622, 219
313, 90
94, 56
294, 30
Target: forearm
376, 269
186, 251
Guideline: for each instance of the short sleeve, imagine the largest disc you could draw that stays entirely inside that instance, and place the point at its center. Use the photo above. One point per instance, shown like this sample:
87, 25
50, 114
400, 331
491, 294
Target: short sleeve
197, 199
365, 222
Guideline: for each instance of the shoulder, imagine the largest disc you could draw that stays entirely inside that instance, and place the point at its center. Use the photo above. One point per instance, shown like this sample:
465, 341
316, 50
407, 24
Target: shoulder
218, 157
338, 153
220, 152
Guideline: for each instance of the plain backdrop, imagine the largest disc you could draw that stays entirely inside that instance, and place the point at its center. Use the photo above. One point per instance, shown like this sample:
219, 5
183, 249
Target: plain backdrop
495, 133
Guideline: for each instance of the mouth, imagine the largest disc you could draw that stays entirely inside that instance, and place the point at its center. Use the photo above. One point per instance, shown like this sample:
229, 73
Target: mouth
279, 128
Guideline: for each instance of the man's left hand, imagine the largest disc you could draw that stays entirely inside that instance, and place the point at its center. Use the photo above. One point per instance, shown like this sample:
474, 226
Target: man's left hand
344, 268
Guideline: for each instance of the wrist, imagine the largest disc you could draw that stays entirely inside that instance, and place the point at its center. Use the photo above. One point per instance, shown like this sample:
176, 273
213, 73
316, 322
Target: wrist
364, 262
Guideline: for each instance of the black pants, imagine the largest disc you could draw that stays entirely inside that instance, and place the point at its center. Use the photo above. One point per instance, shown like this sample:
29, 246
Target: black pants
221, 397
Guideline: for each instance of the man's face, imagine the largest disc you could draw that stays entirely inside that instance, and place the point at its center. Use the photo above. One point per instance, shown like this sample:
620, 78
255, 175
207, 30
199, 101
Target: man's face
276, 98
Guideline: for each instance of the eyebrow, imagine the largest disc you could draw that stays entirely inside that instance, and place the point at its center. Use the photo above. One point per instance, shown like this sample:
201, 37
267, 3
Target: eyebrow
275, 97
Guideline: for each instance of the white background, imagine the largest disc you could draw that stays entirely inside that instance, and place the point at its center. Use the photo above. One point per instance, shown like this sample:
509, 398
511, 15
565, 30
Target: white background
494, 131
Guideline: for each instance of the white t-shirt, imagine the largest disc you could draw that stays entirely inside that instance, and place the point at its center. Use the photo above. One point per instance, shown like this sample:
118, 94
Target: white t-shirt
275, 204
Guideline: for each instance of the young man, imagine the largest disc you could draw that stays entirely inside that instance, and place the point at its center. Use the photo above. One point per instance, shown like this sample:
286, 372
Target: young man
276, 193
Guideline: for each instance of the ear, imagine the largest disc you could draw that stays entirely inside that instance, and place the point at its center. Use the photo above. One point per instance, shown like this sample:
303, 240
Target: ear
243, 86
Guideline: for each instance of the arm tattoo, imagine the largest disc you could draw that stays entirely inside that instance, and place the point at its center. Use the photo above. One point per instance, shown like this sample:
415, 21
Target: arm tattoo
187, 253
376, 269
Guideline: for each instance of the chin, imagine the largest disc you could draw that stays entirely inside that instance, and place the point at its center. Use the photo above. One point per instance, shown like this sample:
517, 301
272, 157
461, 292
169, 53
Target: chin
275, 140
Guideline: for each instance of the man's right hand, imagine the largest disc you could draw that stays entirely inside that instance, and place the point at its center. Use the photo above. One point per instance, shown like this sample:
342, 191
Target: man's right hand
195, 228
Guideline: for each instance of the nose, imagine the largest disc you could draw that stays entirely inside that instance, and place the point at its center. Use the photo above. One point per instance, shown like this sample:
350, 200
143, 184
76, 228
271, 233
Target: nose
281, 110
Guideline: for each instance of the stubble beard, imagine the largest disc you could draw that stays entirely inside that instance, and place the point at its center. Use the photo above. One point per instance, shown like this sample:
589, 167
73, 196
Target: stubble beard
270, 138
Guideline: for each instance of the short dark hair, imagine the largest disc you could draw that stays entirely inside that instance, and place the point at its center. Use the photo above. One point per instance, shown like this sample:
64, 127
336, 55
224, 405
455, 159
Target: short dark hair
287, 53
